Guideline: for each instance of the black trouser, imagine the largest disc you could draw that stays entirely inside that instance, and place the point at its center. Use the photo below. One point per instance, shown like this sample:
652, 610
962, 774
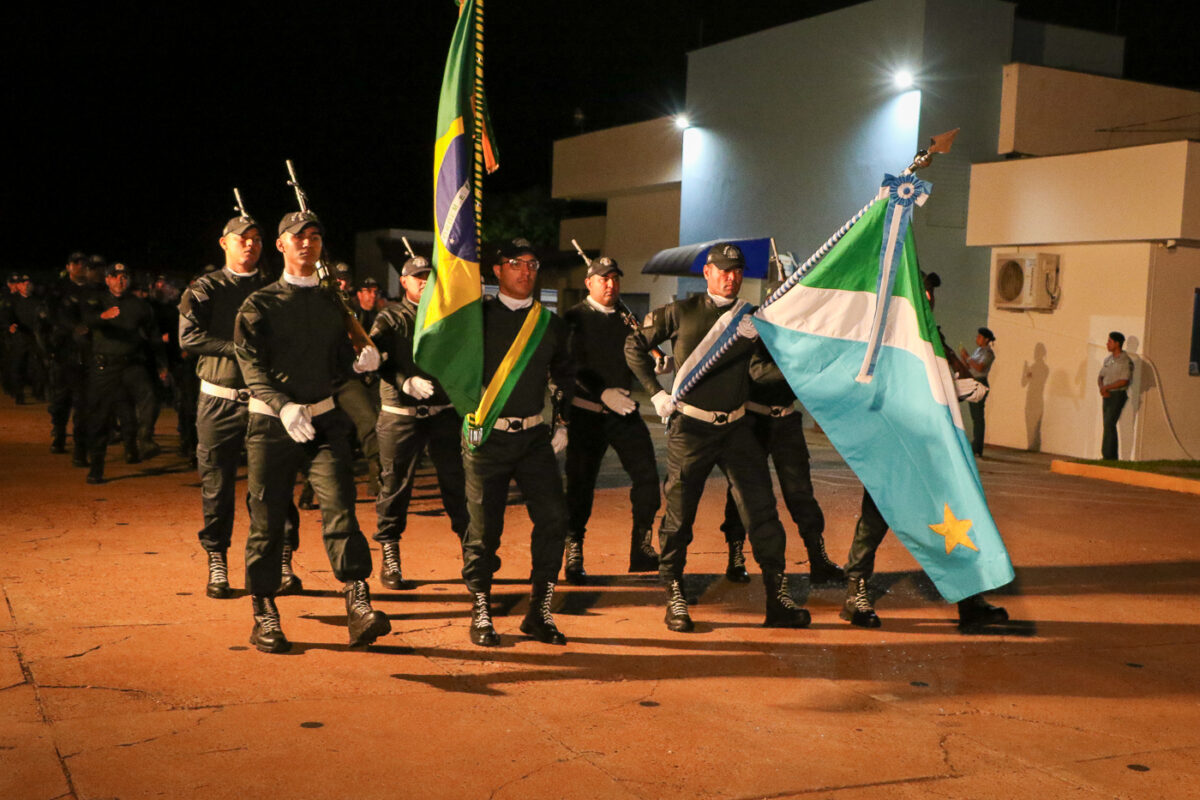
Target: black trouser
401, 440
186, 398
527, 457
221, 428
274, 461
67, 393
1112, 407
783, 439
977, 422
362, 407
121, 387
868, 533
591, 434
693, 449
23, 365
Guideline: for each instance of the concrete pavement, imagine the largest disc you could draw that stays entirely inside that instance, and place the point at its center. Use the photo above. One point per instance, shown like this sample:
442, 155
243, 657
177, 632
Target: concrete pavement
120, 679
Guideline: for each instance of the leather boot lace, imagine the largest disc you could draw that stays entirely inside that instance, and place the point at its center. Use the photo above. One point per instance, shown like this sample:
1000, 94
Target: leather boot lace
218, 572
783, 596
862, 602
360, 597
268, 619
482, 611
737, 557
391, 558
676, 602
286, 570
547, 595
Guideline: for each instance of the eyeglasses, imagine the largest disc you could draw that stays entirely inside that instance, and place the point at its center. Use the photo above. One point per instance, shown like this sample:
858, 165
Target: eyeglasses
531, 264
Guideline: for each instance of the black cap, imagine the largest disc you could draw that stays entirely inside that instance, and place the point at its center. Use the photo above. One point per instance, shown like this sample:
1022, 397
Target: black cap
1117, 337
604, 266
298, 221
116, 268
516, 248
724, 255
76, 256
14, 277
417, 265
22, 278
240, 225
931, 280
987, 334
369, 283
97, 262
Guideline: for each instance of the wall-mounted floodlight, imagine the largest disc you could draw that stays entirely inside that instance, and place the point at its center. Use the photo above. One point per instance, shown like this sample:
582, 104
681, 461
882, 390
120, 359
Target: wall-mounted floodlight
903, 79
682, 122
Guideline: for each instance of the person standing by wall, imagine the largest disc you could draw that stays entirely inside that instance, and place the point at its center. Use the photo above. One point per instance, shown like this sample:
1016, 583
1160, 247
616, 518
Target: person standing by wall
980, 364
1114, 378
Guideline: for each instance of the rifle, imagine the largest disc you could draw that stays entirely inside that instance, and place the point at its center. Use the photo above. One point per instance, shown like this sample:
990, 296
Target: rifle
241, 209
408, 247
627, 316
354, 329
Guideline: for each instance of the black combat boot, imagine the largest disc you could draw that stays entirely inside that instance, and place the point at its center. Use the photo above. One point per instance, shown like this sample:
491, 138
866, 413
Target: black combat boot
735, 570
974, 612
365, 623
820, 568
390, 575
538, 623
148, 448
267, 635
218, 576
782, 610
642, 557
58, 439
482, 632
857, 609
575, 574
289, 581
307, 499
79, 457
132, 456
677, 618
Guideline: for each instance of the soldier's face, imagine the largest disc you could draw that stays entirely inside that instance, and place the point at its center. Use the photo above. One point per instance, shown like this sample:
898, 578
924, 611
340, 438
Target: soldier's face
77, 270
25, 288
302, 250
517, 276
242, 250
414, 285
368, 297
604, 289
117, 284
723, 282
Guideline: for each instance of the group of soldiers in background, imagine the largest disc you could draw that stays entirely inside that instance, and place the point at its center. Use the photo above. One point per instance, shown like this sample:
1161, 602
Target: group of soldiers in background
263, 374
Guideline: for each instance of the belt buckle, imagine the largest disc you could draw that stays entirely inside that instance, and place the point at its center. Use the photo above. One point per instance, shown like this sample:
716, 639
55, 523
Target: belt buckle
422, 411
516, 424
720, 418
243, 396
776, 411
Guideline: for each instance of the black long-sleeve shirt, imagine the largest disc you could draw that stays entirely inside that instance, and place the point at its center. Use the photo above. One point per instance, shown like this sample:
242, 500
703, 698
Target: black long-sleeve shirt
685, 322
207, 312
551, 359
291, 344
392, 334
128, 333
598, 348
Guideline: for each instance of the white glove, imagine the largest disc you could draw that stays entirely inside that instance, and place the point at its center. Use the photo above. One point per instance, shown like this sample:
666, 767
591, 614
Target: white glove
559, 440
664, 365
297, 421
664, 406
746, 328
418, 387
367, 361
618, 400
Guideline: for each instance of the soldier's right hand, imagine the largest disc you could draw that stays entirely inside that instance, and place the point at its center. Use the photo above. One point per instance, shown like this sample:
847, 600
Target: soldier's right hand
110, 312
618, 401
297, 421
418, 387
664, 406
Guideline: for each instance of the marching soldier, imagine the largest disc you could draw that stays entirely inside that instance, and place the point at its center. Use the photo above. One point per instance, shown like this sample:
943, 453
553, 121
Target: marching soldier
122, 327
67, 348
21, 320
779, 428
292, 347
520, 446
416, 413
710, 430
606, 416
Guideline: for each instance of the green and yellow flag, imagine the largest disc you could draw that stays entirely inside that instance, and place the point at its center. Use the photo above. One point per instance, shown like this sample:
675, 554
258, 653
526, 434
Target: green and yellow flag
449, 337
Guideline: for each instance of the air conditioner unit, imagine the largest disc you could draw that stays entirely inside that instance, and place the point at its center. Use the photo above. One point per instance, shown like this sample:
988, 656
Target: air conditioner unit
1026, 281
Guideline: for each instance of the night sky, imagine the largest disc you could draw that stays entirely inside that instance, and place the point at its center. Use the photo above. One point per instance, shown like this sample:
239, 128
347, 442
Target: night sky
129, 124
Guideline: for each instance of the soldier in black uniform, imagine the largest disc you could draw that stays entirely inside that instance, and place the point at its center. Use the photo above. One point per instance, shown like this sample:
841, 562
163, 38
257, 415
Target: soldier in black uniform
292, 347
416, 412
206, 314
605, 415
708, 430
779, 428
122, 327
520, 447
68, 347
20, 322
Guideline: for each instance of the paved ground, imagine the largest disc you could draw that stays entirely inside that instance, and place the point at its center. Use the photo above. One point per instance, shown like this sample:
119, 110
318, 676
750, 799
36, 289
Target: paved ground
119, 678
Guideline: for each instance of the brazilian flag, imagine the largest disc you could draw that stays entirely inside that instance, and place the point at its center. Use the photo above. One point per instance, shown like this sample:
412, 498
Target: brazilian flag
448, 342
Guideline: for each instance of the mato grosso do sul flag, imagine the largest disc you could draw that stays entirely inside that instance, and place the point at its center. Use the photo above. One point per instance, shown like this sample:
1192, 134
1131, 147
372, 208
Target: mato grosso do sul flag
857, 341
448, 342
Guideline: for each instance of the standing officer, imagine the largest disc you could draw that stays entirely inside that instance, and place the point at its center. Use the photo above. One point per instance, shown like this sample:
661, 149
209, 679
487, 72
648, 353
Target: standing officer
710, 430
779, 428
122, 327
520, 447
416, 412
980, 364
292, 347
67, 348
605, 415
206, 314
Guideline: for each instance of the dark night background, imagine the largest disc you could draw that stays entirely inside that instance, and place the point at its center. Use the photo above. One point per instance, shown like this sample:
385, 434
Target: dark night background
129, 124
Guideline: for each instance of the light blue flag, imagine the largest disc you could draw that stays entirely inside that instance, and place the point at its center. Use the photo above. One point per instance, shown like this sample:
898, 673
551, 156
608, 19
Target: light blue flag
857, 341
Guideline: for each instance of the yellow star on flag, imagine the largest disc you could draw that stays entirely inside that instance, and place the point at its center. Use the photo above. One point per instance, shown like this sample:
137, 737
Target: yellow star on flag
955, 531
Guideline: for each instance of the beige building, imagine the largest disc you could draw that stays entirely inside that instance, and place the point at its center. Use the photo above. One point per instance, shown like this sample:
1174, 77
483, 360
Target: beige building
1094, 228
